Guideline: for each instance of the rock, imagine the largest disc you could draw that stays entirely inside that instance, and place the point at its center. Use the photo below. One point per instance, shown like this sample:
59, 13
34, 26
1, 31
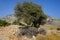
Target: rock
29, 31
42, 31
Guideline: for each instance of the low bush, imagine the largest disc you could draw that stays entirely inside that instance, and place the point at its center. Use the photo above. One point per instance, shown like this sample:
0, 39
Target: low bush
22, 24
15, 23
4, 23
18, 23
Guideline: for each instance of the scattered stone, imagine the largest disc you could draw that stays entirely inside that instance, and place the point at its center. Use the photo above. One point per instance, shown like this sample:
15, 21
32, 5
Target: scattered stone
42, 31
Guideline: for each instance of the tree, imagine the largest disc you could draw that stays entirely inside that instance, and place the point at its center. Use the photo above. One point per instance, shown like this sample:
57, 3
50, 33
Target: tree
31, 13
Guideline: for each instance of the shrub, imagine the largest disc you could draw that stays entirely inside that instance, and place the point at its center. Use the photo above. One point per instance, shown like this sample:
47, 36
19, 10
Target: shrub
22, 24
15, 23
4, 23
18, 23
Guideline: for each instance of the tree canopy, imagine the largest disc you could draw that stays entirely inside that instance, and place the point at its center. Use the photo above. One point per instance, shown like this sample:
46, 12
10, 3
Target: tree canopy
31, 13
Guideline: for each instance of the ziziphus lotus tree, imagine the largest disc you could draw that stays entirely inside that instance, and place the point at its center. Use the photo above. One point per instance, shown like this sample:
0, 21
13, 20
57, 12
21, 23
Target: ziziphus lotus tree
31, 13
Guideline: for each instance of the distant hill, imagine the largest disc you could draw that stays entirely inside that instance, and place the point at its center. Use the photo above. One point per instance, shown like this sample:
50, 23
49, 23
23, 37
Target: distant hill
53, 21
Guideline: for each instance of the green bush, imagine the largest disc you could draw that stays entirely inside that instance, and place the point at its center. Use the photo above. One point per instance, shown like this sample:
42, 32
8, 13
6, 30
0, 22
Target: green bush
18, 23
4, 23
22, 24
15, 23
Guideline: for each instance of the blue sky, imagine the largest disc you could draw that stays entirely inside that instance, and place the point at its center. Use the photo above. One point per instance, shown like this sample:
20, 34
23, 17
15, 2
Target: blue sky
50, 7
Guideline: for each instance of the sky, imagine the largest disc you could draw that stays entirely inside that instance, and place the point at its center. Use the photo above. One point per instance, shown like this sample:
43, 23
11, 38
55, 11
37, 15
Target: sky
50, 7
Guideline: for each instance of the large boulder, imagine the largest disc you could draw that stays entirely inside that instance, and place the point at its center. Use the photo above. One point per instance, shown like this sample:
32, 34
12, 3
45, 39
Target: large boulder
29, 31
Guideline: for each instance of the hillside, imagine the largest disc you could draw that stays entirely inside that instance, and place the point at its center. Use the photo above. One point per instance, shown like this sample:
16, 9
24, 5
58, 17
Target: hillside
50, 20
11, 33
53, 21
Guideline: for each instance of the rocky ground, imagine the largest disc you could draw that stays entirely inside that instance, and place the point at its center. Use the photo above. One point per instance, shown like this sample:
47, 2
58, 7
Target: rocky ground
6, 33
10, 33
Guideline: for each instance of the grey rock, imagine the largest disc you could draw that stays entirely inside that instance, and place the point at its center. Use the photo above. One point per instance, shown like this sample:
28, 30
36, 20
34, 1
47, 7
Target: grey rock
29, 31
10, 18
42, 31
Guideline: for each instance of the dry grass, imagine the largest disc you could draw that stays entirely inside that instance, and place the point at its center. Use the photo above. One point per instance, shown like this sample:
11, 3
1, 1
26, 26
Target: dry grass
51, 33
48, 37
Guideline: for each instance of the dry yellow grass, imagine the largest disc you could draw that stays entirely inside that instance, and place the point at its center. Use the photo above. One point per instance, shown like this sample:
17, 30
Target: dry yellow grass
51, 33
48, 37
48, 27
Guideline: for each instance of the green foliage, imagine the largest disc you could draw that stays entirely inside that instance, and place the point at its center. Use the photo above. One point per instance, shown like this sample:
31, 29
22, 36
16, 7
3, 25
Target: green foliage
15, 23
18, 23
4, 23
22, 24
31, 13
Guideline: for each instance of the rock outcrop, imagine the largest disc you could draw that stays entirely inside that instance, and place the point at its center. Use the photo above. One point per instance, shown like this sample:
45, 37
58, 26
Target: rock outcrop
10, 18
53, 21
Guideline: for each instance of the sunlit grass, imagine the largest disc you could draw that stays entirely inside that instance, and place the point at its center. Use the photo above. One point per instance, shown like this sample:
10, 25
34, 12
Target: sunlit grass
48, 37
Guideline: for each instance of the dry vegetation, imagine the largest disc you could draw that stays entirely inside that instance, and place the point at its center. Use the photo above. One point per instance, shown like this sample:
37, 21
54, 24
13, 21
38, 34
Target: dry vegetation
48, 37
52, 33
6, 33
